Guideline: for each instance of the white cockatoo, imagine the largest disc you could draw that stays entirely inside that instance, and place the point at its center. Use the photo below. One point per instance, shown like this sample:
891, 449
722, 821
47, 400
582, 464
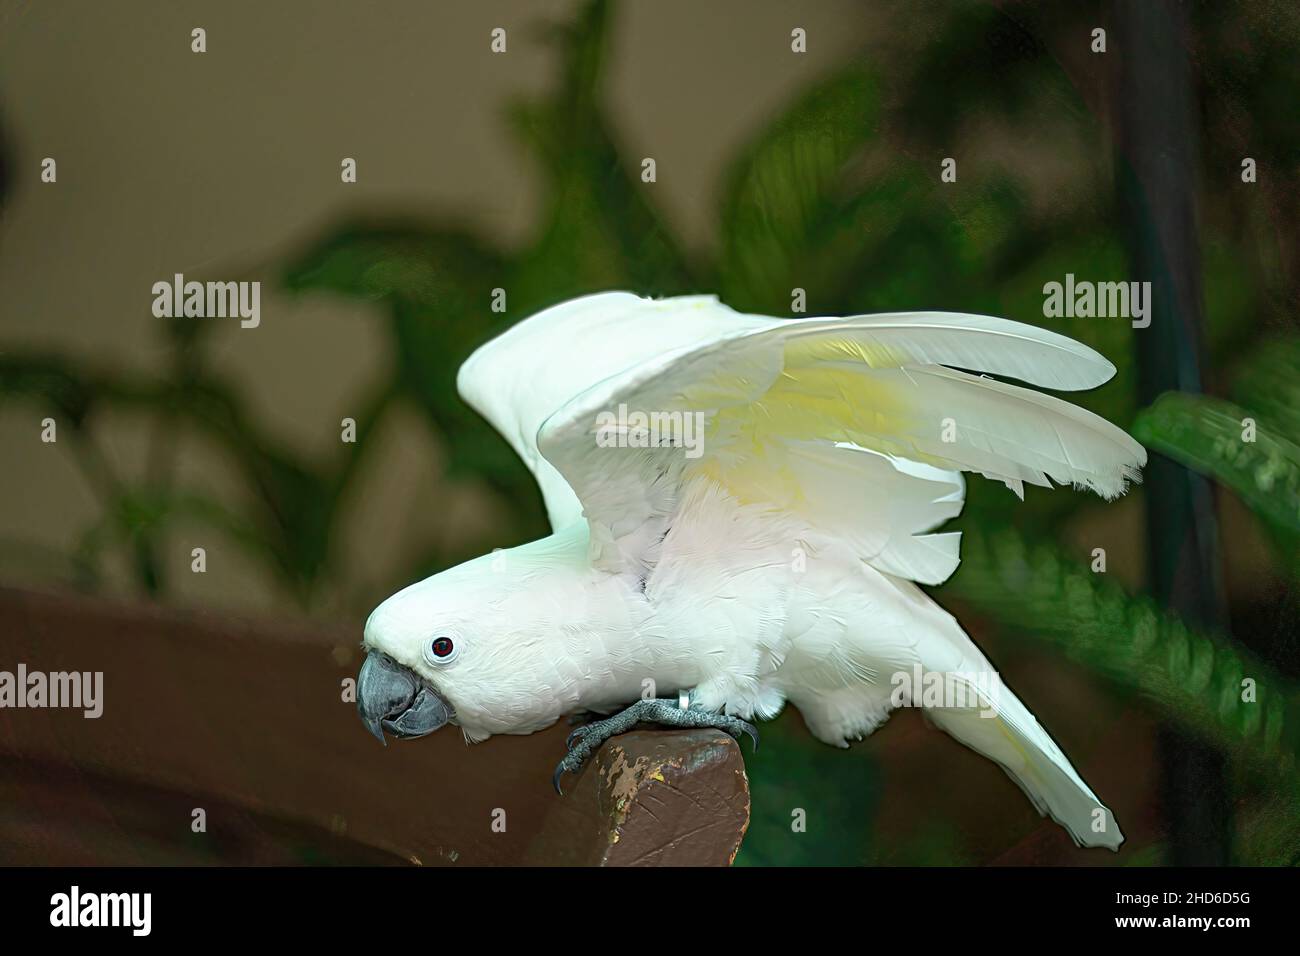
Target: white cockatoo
743, 508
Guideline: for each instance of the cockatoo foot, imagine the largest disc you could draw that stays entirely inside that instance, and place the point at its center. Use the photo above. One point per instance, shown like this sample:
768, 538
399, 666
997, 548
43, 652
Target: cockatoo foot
587, 739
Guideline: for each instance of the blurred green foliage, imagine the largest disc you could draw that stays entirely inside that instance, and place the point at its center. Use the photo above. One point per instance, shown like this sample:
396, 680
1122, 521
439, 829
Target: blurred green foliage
1132, 641
838, 195
1220, 439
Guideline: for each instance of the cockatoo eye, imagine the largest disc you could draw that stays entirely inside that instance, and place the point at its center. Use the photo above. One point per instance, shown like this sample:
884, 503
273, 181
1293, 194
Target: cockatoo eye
441, 650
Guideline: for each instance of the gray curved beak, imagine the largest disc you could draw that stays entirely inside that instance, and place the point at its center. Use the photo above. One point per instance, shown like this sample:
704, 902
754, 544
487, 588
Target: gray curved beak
390, 696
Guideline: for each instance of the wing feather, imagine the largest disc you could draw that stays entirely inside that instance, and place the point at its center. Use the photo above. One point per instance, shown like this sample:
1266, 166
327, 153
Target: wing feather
771, 392
834, 419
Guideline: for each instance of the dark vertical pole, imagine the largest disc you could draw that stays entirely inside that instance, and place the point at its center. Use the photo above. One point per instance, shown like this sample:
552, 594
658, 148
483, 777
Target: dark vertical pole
1157, 169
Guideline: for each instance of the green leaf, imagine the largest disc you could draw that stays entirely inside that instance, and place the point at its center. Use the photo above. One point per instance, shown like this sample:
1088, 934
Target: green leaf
437, 267
601, 228
1035, 589
789, 185
1209, 435
47, 379
1268, 383
1006, 50
292, 507
437, 283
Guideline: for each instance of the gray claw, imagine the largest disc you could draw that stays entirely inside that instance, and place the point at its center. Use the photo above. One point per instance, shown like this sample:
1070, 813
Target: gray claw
560, 771
752, 732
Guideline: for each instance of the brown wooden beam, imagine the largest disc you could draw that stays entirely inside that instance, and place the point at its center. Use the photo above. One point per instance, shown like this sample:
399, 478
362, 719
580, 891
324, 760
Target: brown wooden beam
246, 719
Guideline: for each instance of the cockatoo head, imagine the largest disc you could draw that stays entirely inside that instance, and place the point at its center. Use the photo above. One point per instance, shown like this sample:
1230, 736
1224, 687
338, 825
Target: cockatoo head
470, 646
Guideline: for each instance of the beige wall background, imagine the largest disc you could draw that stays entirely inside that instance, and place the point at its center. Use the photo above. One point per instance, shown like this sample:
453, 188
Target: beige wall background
171, 161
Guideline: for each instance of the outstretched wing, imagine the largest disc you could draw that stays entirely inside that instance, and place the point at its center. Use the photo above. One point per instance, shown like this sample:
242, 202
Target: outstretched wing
519, 379
861, 425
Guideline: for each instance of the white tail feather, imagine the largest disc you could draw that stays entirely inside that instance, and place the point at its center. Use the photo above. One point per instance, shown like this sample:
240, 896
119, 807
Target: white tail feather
1016, 742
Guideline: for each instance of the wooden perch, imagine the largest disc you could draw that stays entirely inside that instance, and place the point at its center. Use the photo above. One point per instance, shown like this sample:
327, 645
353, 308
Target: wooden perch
663, 798
247, 722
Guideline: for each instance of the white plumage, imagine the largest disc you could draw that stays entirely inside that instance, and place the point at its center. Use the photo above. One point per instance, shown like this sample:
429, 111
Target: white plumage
777, 560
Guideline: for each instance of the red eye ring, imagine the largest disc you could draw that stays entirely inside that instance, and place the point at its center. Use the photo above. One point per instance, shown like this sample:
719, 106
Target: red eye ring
441, 650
